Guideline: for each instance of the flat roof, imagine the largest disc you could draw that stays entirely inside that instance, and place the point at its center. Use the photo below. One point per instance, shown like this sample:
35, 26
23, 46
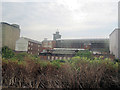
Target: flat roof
68, 49
86, 39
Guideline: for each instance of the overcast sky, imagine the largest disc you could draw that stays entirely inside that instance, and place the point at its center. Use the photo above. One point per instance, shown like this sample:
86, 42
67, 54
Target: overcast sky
73, 18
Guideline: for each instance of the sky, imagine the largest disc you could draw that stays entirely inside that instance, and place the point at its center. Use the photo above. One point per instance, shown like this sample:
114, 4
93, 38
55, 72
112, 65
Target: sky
74, 19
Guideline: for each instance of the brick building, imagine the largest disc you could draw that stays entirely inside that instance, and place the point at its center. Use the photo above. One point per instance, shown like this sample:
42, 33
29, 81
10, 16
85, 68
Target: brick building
66, 48
28, 45
48, 44
59, 53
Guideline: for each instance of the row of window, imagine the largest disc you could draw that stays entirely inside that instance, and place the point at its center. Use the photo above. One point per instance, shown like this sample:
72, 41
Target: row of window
32, 49
32, 44
32, 53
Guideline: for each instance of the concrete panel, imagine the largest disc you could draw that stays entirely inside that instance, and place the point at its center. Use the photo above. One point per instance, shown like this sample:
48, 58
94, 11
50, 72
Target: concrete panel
119, 43
119, 14
10, 34
0, 36
21, 45
115, 43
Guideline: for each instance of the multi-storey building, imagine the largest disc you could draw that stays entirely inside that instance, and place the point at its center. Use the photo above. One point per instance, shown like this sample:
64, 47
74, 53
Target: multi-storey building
115, 43
95, 45
90, 44
10, 34
59, 53
0, 36
28, 45
56, 36
48, 44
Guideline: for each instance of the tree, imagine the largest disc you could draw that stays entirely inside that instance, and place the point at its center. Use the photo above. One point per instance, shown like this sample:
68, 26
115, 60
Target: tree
7, 52
85, 53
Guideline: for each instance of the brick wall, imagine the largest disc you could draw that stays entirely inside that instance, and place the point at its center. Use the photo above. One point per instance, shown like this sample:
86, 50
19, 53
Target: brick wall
34, 48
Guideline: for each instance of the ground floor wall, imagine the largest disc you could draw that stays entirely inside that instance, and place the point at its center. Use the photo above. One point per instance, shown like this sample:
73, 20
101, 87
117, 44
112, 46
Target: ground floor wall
53, 57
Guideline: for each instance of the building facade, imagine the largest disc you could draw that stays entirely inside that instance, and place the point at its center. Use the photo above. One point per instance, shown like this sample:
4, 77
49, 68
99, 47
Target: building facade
48, 44
90, 44
10, 34
119, 14
56, 36
28, 45
59, 53
115, 43
0, 36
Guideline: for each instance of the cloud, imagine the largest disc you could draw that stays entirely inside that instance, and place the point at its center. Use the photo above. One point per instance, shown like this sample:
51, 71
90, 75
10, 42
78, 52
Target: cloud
28, 0
73, 18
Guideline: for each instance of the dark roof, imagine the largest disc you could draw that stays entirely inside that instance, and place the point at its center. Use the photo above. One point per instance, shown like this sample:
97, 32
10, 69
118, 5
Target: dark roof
63, 52
68, 49
13, 25
99, 40
87, 39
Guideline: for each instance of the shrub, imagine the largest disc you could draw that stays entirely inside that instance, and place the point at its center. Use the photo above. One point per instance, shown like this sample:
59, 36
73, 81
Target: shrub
57, 63
79, 72
7, 52
85, 53
20, 56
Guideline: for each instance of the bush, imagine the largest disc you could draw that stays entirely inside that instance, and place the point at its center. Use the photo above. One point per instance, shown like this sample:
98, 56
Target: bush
85, 53
79, 72
7, 52
20, 56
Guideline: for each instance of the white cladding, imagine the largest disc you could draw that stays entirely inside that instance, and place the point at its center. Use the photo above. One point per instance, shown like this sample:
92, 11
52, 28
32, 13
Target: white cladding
119, 43
0, 36
115, 43
21, 45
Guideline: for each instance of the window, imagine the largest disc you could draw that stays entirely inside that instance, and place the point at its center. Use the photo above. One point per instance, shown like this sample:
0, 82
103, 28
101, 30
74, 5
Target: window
28, 47
48, 57
38, 45
31, 52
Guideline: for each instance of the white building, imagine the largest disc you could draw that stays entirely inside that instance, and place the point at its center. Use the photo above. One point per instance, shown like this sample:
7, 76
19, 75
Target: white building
0, 36
21, 44
115, 43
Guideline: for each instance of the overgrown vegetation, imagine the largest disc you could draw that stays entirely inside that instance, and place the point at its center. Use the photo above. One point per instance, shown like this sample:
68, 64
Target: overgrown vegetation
84, 53
28, 71
7, 52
